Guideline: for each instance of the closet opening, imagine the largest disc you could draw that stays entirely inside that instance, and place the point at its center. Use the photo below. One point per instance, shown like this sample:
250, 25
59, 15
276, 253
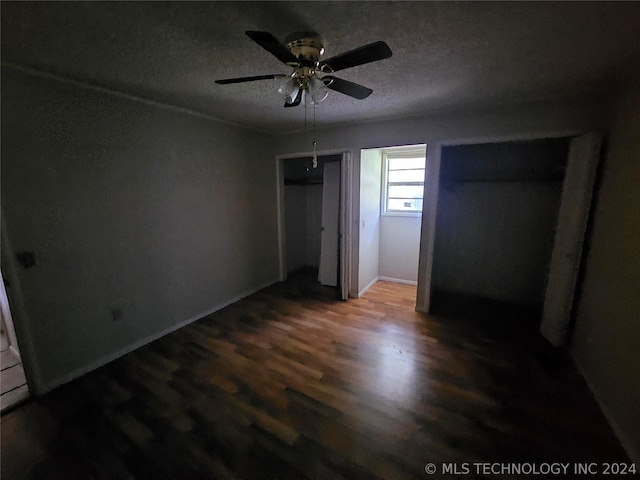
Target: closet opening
313, 224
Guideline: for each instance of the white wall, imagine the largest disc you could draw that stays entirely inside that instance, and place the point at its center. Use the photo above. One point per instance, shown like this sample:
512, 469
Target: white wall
369, 215
314, 225
606, 341
161, 215
496, 242
295, 206
399, 248
303, 221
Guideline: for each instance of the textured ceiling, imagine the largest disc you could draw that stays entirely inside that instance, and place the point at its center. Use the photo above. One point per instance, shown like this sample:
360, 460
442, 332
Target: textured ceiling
446, 55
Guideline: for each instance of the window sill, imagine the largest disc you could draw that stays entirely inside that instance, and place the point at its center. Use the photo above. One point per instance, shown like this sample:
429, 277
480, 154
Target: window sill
401, 214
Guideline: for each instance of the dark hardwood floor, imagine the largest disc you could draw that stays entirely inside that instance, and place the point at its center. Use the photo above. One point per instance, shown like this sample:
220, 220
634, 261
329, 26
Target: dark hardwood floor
290, 383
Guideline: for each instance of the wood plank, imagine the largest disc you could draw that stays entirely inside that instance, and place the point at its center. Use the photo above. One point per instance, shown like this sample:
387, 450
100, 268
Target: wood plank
13, 397
7, 360
11, 378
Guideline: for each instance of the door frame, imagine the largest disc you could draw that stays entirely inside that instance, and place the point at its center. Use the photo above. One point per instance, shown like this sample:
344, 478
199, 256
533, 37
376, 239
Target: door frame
429, 213
575, 208
346, 202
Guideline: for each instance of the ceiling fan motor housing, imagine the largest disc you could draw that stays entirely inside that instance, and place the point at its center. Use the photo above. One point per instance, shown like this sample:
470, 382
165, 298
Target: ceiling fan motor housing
307, 47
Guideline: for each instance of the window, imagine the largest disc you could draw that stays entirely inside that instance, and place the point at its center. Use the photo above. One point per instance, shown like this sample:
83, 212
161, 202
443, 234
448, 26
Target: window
403, 181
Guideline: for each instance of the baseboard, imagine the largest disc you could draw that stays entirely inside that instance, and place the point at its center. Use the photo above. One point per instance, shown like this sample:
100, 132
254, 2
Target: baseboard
627, 445
398, 280
39, 390
364, 290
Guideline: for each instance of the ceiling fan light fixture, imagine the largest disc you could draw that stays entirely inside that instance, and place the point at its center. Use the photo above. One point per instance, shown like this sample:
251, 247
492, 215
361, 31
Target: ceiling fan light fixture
289, 90
317, 89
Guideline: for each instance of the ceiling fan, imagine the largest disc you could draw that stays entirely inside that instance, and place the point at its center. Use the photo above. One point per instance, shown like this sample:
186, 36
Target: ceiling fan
303, 52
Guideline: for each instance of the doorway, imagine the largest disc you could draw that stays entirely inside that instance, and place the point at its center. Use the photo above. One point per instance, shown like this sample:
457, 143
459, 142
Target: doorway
497, 211
563, 248
313, 197
391, 192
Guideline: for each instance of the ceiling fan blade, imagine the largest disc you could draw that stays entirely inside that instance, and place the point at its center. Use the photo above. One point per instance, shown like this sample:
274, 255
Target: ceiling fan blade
365, 54
272, 45
348, 88
227, 81
296, 101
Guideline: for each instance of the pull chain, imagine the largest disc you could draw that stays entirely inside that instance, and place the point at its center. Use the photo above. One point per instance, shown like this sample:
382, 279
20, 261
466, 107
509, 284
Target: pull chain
305, 125
315, 156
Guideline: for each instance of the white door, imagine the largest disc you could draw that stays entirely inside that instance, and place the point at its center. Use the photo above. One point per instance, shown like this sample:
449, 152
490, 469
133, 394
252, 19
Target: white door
577, 189
328, 272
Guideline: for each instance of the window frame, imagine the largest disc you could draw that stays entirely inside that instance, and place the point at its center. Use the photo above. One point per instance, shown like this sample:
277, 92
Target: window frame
401, 152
